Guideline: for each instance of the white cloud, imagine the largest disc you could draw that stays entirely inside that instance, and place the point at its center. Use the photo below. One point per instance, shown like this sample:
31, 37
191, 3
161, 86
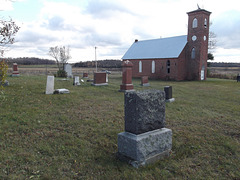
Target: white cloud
112, 26
5, 5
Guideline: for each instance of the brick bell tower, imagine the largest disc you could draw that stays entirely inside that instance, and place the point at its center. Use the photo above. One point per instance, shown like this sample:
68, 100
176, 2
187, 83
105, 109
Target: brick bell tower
197, 50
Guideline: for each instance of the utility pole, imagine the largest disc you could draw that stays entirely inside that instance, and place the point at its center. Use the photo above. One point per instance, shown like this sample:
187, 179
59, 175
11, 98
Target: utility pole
96, 57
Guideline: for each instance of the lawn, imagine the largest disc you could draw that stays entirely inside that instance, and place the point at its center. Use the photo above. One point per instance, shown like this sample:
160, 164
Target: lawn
74, 136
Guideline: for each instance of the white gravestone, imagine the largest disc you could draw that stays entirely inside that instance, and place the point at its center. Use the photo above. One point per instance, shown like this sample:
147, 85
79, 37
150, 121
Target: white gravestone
106, 78
68, 69
76, 81
50, 85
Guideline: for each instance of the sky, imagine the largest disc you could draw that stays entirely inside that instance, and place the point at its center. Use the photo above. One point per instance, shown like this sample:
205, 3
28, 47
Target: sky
113, 25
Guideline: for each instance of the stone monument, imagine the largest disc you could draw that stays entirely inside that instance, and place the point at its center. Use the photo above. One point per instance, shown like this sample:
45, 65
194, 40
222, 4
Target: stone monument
144, 81
76, 81
168, 93
50, 85
15, 72
145, 139
68, 69
238, 78
100, 79
126, 85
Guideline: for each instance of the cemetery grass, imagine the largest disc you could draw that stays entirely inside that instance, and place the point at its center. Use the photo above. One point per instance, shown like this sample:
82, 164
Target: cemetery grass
74, 136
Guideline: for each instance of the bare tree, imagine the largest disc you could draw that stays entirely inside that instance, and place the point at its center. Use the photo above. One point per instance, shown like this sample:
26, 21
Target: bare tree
61, 54
8, 30
211, 43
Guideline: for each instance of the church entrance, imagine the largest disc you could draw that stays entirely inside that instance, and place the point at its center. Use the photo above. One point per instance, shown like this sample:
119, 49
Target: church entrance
202, 73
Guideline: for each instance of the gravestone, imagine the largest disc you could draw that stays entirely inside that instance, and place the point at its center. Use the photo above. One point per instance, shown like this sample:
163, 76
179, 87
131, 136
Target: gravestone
144, 111
144, 81
238, 78
168, 93
126, 85
85, 75
68, 69
145, 139
15, 72
100, 79
76, 81
50, 85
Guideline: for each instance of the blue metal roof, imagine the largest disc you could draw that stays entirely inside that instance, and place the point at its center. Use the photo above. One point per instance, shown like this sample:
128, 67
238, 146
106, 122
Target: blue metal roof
157, 48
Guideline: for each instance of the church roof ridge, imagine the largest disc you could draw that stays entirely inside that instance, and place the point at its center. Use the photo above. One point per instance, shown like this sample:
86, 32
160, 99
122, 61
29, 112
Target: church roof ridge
170, 47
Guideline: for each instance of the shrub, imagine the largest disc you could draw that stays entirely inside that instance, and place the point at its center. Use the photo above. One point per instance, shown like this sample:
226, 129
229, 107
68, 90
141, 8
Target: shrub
3, 72
61, 73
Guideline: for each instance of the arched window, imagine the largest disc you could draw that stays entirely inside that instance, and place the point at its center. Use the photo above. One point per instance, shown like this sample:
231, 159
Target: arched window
168, 66
205, 23
193, 53
195, 23
140, 66
153, 66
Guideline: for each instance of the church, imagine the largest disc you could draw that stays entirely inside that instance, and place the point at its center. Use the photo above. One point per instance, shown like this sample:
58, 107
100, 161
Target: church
175, 58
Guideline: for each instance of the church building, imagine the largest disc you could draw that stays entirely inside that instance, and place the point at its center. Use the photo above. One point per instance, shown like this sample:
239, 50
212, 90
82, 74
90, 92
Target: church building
174, 58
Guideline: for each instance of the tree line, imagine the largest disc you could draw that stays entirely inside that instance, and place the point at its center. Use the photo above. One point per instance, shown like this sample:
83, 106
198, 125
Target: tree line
29, 61
38, 61
100, 63
221, 64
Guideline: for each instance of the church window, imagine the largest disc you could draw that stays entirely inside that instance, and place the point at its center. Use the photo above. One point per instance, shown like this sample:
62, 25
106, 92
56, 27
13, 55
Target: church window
205, 23
140, 66
153, 66
168, 66
195, 23
193, 53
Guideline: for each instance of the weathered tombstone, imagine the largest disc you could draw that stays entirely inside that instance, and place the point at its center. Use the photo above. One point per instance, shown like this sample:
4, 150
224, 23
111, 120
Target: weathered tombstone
15, 72
168, 93
238, 78
144, 81
145, 139
100, 79
50, 85
61, 91
126, 77
76, 81
85, 75
68, 69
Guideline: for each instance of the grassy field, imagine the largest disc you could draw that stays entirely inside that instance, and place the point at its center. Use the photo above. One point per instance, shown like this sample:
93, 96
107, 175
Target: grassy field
223, 72
74, 136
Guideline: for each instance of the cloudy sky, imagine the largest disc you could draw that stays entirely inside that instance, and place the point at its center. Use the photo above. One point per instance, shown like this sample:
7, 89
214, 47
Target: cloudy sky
113, 25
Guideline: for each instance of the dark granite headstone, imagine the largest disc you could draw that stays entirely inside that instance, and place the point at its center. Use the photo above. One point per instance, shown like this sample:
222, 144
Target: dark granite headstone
238, 78
168, 92
144, 111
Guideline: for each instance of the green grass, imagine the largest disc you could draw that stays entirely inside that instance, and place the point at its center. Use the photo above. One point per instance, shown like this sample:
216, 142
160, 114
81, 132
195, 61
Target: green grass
74, 136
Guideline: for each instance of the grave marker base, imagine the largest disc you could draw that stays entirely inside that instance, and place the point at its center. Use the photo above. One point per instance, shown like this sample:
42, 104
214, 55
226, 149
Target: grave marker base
170, 100
61, 91
101, 84
145, 85
146, 148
